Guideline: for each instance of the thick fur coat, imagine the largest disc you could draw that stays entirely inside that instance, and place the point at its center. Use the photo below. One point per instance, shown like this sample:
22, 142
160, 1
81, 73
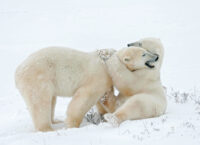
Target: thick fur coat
57, 71
141, 92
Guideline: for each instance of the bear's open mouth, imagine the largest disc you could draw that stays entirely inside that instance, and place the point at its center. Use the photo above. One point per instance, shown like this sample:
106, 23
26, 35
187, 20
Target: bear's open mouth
149, 64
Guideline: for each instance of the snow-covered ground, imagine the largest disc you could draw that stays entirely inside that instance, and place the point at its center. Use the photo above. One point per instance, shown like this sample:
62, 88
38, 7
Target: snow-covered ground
26, 26
180, 125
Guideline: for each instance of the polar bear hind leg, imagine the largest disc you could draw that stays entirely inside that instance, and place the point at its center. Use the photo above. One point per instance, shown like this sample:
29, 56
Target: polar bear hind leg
40, 110
53, 105
39, 102
137, 107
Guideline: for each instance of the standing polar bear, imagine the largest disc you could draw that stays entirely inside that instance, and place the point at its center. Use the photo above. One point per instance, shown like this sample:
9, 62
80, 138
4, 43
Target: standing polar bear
138, 80
55, 71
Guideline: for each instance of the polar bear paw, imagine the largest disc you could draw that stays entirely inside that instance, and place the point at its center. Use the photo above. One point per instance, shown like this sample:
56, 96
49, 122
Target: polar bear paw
112, 119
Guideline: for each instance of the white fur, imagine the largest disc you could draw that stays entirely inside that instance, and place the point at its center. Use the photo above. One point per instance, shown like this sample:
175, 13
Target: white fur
57, 71
141, 90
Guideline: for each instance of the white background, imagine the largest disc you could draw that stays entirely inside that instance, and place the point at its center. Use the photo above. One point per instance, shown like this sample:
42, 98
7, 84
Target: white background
28, 25
87, 25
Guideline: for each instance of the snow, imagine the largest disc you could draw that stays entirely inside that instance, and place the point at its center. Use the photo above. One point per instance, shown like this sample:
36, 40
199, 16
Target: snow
180, 125
26, 26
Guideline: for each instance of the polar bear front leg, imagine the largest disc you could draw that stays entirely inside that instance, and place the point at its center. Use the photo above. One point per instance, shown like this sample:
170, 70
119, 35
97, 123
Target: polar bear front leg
82, 101
112, 119
107, 103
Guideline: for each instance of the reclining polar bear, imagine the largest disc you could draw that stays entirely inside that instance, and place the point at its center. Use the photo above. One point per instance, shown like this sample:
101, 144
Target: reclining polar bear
141, 92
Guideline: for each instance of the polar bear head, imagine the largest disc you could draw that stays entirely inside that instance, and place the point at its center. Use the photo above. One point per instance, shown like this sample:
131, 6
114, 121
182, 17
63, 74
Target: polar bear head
136, 58
152, 45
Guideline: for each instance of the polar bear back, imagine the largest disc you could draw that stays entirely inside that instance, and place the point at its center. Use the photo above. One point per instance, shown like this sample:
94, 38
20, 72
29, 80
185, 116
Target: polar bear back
67, 68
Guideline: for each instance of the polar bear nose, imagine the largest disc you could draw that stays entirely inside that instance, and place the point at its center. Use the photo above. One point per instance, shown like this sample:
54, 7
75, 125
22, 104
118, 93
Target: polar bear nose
153, 57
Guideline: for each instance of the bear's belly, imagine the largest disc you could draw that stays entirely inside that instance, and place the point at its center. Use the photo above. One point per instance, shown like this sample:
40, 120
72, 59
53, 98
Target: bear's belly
68, 80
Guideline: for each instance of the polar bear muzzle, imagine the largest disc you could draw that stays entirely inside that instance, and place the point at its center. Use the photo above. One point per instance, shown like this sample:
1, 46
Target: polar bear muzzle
154, 58
137, 44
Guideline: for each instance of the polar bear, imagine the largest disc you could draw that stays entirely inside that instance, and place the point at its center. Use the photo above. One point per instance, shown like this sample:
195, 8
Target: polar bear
59, 71
138, 80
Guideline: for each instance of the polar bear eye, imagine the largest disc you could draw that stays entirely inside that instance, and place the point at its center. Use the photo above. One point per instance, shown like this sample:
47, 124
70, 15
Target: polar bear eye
126, 59
144, 55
